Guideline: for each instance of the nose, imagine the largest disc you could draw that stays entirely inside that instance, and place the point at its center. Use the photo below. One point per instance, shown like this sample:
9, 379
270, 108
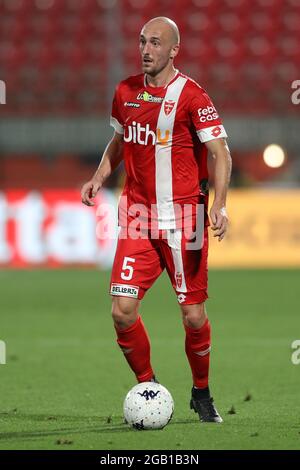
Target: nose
145, 49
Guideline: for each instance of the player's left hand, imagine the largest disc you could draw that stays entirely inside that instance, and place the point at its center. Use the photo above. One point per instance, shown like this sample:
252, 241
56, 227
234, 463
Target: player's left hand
219, 220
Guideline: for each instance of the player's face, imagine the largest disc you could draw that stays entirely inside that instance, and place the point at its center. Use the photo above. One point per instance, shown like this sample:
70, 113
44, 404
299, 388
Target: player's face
155, 47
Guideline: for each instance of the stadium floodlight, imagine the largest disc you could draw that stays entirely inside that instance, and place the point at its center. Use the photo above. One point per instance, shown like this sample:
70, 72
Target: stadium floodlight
274, 156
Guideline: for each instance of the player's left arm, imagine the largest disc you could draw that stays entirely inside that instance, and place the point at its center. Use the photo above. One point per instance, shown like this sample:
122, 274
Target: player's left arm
222, 171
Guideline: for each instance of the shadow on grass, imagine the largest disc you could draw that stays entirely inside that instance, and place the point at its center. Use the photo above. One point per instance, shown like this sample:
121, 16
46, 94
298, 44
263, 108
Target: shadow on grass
99, 425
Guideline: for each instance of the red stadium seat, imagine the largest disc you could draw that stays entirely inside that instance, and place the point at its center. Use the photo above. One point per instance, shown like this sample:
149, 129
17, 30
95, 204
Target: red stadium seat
55, 46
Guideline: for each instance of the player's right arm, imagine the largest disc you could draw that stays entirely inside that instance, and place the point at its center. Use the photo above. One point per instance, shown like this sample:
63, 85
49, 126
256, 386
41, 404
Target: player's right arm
112, 156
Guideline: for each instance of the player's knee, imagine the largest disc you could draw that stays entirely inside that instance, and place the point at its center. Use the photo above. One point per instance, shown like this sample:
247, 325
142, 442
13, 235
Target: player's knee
124, 311
194, 315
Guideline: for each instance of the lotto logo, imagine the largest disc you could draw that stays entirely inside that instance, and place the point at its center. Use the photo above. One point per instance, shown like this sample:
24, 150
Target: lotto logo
216, 131
207, 114
181, 298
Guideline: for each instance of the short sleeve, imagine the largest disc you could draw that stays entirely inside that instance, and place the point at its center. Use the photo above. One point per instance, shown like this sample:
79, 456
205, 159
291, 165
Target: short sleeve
116, 120
205, 117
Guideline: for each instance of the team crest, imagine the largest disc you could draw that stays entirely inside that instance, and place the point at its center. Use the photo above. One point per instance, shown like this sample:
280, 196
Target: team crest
178, 277
168, 107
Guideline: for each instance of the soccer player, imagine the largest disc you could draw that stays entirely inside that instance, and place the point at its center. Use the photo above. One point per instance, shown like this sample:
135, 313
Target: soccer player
164, 124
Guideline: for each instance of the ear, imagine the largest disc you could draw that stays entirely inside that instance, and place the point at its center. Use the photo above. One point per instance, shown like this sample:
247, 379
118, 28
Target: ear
174, 51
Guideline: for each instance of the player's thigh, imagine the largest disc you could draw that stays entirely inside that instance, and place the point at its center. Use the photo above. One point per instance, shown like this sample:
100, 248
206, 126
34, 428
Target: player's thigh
186, 264
136, 266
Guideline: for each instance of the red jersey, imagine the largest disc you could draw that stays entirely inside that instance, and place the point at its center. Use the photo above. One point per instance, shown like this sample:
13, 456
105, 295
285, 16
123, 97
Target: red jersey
164, 131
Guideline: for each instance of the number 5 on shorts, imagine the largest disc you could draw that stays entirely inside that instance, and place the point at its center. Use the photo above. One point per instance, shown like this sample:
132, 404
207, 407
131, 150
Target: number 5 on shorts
126, 267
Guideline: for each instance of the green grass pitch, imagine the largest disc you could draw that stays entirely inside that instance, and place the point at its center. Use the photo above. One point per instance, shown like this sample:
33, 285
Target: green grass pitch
65, 379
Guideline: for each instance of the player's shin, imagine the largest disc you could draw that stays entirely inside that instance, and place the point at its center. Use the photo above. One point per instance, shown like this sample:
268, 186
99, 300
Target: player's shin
135, 344
197, 348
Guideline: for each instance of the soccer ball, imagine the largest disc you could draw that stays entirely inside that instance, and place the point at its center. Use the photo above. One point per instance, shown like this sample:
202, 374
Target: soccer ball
148, 405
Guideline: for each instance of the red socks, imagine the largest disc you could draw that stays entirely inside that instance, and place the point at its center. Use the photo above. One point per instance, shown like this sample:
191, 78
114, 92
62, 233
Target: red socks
135, 345
197, 348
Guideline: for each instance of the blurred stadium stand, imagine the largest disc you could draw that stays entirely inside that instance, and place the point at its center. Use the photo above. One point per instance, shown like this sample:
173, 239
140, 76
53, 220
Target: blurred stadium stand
61, 59
59, 56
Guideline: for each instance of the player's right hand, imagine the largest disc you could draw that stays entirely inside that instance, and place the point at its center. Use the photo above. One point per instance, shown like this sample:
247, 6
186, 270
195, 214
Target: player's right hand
89, 191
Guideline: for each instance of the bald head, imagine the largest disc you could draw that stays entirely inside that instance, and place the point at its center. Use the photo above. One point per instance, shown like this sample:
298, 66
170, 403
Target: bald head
165, 26
159, 45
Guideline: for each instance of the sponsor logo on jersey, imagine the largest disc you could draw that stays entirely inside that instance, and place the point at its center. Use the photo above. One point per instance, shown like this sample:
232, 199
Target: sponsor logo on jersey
178, 277
216, 131
168, 107
145, 96
130, 104
207, 114
124, 290
143, 135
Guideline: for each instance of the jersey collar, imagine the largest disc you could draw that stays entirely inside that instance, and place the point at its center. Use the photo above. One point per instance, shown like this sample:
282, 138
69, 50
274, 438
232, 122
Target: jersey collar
161, 87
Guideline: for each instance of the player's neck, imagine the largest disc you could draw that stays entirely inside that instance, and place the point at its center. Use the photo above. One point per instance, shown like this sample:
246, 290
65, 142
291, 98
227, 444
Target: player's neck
161, 79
